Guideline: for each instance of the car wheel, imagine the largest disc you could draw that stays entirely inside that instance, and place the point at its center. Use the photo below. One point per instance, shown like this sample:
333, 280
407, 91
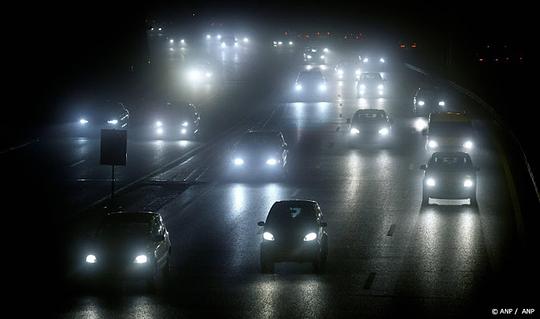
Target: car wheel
267, 264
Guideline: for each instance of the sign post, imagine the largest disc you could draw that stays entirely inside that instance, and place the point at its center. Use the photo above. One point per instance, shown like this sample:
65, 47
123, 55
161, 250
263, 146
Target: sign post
113, 152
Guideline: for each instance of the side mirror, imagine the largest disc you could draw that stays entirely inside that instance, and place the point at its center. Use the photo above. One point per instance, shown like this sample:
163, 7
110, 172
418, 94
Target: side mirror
324, 224
423, 167
348, 121
160, 237
260, 223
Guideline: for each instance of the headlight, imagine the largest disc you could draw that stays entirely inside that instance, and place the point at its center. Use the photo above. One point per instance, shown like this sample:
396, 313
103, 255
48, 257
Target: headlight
113, 122
236, 44
298, 87
171, 41
223, 45
355, 131
309, 56
322, 57
185, 124
291, 43
91, 259
141, 259
219, 36
280, 43
83, 121
208, 37
430, 182
208, 74
384, 131
421, 103
182, 41
310, 237
238, 161
159, 131
433, 144
366, 60
268, 236
271, 161
159, 124
194, 75
468, 145
357, 72
380, 87
340, 72
420, 124
183, 131
442, 103
246, 40
325, 50
322, 87
362, 86
468, 183
381, 60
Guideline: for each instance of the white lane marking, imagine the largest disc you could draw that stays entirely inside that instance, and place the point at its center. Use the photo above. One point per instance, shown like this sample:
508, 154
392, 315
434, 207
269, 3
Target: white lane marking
77, 163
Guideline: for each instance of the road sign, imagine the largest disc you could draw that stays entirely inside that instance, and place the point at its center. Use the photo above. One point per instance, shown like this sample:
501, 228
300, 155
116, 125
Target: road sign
113, 147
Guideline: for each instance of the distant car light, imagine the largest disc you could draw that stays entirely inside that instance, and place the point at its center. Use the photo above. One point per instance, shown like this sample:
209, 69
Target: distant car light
420, 124
384, 131
291, 43
268, 236
113, 122
309, 57
182, 41
219, 36
171, 41
280, 43
83, 121
223, 45
141, 259
159, 131
159, 124
91, 259
325, 50
246, 40
380, 87
365, 60
431, 182
310, 237
468, 183
183, 131
381, 60
433, 144
271, 161
238, 161
322, 57
185, 124
208, 37
298, 87
322, 87
421, 103
355, 131
442, 103
468, 145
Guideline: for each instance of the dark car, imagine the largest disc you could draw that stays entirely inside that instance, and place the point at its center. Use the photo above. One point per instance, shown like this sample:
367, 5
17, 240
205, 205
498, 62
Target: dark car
370, 126
449, 175
449, 131
260, 151
229, 41
175, 121
102, 115
370, 84
310, 83
314, 55
294, 231
129, 245
429, 100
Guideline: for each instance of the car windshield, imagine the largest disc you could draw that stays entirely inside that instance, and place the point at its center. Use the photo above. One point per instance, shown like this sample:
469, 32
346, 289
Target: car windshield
259, 139
368, 117
287, 213
310, 76
450, 162
370, 76
450, 128
123, 228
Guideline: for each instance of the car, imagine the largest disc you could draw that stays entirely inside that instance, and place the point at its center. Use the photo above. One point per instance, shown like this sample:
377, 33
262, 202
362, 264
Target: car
295, 231
428, 100
314, 55
310, 84
370, 84
449, 175
449, 131
102, 115
347, 70
175, 120
372, 61
129, 245
199, 73
229, 41
370, 126
260, 151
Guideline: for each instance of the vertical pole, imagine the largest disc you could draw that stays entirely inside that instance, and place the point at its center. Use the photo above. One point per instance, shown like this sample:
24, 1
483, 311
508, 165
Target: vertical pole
112, 188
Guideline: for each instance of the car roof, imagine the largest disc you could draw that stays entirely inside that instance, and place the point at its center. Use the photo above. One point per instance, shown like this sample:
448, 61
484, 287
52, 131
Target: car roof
370, 111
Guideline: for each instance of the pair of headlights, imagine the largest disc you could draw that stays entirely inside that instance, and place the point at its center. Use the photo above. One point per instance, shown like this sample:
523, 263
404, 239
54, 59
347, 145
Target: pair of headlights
84, 121
467, 182
467, 144
384, 131
422, 103
270, 162
298, 87
308, 237
140, 259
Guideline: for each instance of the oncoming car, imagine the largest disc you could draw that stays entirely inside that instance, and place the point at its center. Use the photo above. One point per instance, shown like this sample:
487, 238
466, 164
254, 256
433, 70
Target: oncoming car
199, 74
314, 55
429, 100
449, 131
449, 175
294, 231
128, 245
103, 115
347, 71
310, 84
370, 84
263, 152
175, 121
370, 126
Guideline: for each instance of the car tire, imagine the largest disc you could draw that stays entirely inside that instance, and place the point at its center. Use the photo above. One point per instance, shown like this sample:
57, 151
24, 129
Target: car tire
267, 264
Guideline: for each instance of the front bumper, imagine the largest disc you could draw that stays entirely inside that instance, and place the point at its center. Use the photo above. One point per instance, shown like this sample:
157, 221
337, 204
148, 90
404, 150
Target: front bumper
303, 252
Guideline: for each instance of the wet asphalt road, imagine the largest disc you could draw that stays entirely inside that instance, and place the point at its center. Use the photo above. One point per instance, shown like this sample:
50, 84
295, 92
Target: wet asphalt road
388, 256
